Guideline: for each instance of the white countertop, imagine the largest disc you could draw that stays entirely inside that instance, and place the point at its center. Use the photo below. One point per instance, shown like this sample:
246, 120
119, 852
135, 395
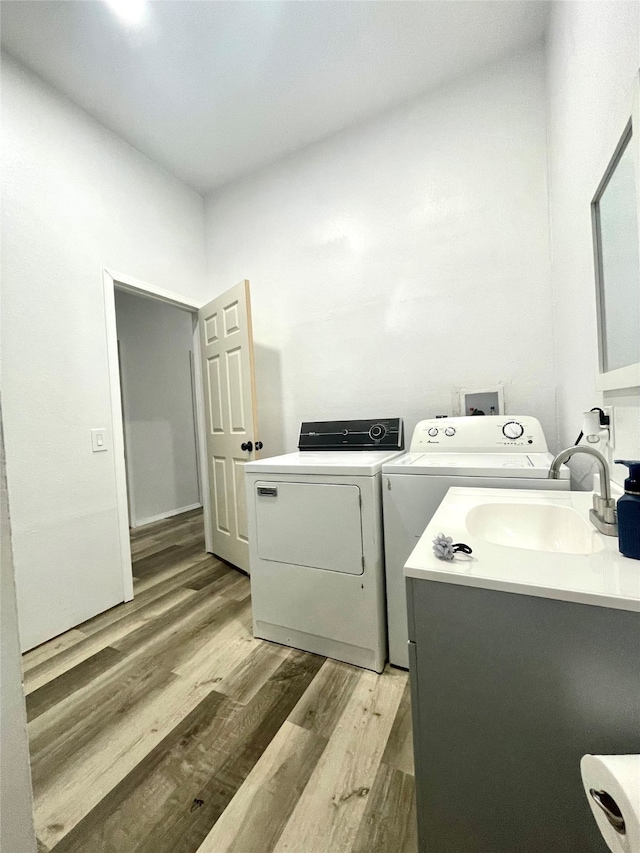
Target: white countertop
604, 579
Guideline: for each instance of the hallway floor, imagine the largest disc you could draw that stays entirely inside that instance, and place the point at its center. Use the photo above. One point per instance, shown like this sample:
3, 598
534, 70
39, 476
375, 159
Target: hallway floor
163, 726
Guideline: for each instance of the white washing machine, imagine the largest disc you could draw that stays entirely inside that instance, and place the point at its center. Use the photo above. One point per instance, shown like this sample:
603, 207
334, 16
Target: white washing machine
315, 541
502, 452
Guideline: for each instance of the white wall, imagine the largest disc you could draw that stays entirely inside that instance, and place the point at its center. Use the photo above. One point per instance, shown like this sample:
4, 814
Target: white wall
17, 834
155, 342
400, 260
76, 199
593, 55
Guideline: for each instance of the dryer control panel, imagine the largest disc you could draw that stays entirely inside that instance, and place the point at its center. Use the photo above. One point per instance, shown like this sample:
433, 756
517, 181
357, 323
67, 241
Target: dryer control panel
477, 434
379, 434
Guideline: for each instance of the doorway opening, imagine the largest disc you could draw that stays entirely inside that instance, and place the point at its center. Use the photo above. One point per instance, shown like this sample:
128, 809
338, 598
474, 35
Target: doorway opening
225, 420
159, 444
157, 387
157, 390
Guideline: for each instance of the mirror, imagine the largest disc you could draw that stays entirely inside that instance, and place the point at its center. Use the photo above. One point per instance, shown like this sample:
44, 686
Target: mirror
616, 230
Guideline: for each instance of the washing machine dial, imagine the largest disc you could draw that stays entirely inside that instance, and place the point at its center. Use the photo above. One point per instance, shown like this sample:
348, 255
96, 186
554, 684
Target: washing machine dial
377, 432
450, 431
432, 431
512, 430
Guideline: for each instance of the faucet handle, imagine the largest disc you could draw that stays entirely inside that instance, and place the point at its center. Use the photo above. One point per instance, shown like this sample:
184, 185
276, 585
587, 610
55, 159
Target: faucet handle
605, 508
609, 512
604, 515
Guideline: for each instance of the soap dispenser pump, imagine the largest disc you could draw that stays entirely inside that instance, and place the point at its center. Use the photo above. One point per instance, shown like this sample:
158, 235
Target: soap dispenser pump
629, 511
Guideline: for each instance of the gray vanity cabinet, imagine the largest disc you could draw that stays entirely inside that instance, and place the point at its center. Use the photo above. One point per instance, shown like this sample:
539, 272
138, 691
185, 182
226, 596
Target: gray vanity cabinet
508, 692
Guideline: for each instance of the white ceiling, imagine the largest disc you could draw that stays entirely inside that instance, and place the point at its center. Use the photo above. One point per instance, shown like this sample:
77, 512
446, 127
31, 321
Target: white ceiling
214, 90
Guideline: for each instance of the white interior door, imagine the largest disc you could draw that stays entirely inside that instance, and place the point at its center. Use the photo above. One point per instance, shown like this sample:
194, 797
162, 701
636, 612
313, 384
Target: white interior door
230, 415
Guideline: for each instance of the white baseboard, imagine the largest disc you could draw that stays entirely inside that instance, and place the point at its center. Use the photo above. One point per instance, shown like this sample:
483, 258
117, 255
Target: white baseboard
140, 522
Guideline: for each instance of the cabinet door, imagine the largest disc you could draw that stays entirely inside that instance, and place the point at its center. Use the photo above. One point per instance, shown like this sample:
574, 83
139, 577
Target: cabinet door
509, 692
317, 525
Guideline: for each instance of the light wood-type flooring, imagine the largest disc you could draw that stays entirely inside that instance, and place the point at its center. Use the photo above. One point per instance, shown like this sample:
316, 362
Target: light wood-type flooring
163, 726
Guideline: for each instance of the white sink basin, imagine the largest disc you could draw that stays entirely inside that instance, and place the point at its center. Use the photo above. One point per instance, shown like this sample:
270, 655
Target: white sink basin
535, 527
535, 542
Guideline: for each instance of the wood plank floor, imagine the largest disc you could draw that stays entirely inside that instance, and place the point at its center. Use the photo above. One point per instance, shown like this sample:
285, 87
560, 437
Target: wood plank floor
163, 726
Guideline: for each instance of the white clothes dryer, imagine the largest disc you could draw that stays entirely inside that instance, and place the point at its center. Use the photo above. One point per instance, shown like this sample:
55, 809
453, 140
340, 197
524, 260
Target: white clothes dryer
315, 541
499, 452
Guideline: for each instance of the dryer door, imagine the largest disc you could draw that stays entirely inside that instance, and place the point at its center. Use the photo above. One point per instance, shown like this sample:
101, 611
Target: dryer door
318, 525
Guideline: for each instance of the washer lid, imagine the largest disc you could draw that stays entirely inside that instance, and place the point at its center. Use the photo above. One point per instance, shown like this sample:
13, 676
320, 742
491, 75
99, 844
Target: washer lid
363, 463
509, 465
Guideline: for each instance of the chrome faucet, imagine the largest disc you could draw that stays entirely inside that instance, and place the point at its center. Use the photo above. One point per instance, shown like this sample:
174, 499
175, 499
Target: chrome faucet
603, 515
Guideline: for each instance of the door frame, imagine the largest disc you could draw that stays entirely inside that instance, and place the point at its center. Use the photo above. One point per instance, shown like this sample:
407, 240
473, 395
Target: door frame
113, 281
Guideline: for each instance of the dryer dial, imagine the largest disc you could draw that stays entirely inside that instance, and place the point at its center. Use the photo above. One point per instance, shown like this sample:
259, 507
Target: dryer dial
377, 431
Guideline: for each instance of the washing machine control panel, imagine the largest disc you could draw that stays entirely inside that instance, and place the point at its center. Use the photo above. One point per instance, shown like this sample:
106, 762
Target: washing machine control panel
477, 433
379, 434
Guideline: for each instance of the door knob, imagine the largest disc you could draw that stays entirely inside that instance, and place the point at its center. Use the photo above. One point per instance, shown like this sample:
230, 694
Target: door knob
259, 445
247, 445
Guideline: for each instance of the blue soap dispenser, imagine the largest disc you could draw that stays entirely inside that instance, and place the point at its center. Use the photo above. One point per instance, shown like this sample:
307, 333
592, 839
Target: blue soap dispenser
629, 511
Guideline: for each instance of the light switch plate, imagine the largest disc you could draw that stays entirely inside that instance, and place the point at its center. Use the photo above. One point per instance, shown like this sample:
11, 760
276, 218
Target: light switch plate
99, 439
